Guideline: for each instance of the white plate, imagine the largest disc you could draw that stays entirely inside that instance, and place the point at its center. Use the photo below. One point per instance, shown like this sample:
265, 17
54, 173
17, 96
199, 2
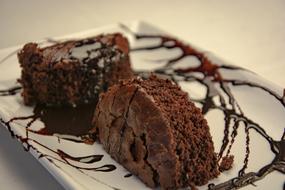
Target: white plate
262, 104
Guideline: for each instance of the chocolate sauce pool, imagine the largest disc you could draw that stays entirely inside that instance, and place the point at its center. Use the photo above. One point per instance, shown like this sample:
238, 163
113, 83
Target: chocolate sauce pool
76, 121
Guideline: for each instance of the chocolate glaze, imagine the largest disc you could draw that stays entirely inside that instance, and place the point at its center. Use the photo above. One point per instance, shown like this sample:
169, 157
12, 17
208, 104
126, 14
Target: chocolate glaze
231, 109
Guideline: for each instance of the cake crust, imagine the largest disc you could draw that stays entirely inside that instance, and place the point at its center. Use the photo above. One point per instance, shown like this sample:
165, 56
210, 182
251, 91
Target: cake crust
73, 72
132, 124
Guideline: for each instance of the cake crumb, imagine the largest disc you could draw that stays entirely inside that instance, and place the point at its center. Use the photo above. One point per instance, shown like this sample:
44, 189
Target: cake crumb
226, 163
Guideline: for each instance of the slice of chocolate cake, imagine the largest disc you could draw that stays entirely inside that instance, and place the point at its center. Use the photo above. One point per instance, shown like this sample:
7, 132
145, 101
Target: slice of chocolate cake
152, 129
73, 72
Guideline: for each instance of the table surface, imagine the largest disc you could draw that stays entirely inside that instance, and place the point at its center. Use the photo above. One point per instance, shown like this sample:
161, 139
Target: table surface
250, 34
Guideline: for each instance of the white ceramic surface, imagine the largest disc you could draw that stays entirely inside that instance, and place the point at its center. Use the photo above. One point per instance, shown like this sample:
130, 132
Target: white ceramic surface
257, 104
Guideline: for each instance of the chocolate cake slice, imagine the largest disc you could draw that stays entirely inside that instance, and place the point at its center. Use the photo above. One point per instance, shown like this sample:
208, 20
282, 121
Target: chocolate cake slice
153, 130
73, 72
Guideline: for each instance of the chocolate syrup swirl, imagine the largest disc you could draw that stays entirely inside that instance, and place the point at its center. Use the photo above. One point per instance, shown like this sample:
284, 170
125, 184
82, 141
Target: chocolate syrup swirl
128, 175
87, 160
57, 120
232, 110
65, 157
62, 156
70, 122
11, 91
67, 123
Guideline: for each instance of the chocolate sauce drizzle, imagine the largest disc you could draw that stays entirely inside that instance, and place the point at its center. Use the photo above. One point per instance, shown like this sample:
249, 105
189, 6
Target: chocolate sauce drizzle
90, 159
71, 122
128, 175
68, 123
65, 157
11, 91
52, 117
232, 111
62, 156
